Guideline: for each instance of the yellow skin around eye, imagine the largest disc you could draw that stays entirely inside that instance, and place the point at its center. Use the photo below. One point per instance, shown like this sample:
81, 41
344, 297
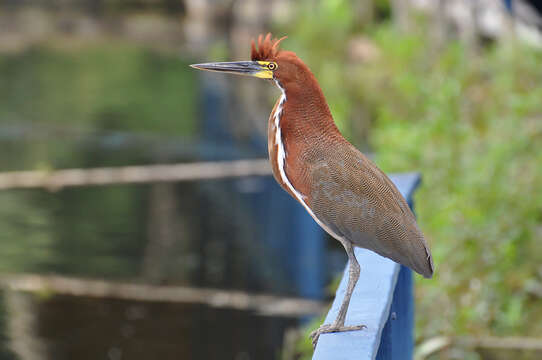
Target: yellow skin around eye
265, 73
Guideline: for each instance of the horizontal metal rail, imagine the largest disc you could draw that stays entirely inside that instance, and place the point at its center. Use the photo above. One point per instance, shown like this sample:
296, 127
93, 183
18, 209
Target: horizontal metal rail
269, 305
58, 179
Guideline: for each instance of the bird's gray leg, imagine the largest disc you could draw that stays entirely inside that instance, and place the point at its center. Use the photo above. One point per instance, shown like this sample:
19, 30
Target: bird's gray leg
353, 276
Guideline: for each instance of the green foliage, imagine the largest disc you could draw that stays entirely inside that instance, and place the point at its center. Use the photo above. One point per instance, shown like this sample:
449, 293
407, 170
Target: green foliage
472, 125
326, 50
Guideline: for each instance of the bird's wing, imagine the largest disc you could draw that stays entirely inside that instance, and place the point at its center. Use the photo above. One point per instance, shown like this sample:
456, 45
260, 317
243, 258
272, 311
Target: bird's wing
358, 202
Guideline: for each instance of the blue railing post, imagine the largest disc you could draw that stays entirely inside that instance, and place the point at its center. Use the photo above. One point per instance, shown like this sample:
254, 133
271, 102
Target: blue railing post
383, 301
397, 340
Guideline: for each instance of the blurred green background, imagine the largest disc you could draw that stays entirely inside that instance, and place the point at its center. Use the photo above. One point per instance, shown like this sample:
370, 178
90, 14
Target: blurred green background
470, 120
462, 107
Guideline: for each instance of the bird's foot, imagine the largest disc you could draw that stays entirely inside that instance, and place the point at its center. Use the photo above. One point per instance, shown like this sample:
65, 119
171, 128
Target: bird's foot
329, 328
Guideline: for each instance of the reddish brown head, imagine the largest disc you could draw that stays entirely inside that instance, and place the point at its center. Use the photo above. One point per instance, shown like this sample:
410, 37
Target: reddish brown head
288, 67
268, 62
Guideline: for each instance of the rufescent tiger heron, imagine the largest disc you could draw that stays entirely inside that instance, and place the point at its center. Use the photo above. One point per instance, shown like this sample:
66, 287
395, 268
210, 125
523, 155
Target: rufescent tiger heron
343, 191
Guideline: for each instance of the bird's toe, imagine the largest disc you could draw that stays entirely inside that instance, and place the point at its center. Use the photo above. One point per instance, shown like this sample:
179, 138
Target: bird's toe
330, 328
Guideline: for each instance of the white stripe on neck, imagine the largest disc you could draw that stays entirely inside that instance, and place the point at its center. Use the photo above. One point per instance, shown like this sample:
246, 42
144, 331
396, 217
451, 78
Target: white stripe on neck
281, 160
281, 153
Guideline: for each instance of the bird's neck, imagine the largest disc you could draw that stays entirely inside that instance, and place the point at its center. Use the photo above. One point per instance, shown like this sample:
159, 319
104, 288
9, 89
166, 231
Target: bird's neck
300, 123
304, 110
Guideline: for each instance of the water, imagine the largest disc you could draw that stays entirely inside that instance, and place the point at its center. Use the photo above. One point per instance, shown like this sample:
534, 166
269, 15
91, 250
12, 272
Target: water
65, 327
113, 105
191, 234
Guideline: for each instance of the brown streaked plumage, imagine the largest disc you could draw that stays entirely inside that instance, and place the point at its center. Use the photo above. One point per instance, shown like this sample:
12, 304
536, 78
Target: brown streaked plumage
345, 193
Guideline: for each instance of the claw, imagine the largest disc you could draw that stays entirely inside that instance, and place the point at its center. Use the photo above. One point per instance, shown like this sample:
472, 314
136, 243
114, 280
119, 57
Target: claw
330, 328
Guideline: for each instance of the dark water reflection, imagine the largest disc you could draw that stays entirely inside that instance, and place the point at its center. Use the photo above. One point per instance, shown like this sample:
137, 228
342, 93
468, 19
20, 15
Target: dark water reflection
205, 234
198, 234
66, 327
191, 234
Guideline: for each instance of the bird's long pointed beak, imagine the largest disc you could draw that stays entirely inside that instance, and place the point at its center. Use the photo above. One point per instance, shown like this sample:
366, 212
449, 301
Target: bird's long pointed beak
252, 68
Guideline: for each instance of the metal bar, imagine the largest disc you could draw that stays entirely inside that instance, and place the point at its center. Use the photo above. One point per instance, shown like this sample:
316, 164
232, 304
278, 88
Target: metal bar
268, 305
397, 341
55, 180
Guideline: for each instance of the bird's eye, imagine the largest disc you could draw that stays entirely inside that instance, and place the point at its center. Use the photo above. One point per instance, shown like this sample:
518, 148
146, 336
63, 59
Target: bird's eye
272, 66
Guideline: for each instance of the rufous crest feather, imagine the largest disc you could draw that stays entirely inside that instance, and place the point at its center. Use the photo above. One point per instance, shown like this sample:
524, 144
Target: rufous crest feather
267, 48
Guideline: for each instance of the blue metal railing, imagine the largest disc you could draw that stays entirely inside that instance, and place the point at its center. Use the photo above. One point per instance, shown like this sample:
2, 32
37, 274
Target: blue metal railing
382, 301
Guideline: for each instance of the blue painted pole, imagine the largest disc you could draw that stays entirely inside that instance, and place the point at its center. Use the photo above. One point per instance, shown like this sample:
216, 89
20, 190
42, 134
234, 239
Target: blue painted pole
397, 341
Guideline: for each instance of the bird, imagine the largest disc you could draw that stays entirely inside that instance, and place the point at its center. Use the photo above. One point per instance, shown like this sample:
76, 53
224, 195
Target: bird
341, 189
